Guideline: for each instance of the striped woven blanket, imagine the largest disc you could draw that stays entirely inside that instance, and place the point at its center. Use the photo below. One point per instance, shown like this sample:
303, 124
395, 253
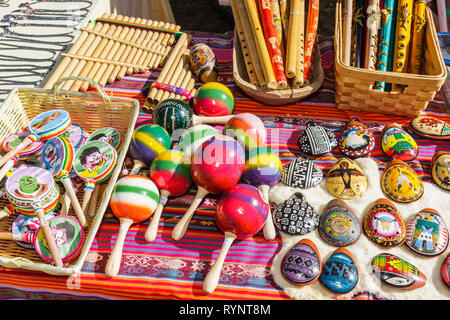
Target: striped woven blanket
168, 269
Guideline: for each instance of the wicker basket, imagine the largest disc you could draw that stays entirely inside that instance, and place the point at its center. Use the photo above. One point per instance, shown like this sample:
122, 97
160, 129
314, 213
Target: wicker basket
353, 85
91, 111
274, 97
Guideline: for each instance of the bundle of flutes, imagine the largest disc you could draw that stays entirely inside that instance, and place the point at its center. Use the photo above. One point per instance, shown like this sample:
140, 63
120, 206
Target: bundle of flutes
277, 38
393, 36
112, 47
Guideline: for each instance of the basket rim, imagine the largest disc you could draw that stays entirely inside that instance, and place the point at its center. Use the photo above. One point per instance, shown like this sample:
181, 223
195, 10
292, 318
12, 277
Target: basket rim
386, 76
75, 266
287, 95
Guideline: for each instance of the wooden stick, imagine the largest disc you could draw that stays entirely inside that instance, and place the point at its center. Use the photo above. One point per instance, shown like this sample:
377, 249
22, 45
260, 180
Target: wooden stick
374, 24
103, 61
110, 46
311, 34
56, 75
299, 71
148, 41
293, 39
113, 265
184, 83
251, 72
272, 43
182, 74
442, 15
88, 70
417, 42
263, 52
347, 37
212, 278
93, 203
169, 63
88, 49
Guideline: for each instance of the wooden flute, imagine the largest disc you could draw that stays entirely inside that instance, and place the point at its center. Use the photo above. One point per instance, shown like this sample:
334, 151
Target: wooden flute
418, 31
358, 29
310, 36
373, 25
387, 18
403, 37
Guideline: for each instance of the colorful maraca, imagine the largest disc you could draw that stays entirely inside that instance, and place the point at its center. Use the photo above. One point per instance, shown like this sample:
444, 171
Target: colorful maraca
57, 157
146, 143
67, 232
247, 129
216, 167
133, 200
240, 213
44, 126
94, 162
213, 99
174, 114
32, 151
192, 138
31, 187
172, 176
263, 170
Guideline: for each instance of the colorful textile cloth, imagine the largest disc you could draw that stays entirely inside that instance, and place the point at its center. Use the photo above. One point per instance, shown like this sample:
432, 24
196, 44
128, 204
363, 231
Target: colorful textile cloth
168, 269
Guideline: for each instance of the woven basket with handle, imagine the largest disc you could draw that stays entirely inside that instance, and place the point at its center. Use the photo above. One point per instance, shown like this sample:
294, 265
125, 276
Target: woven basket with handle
92, 112
354, 85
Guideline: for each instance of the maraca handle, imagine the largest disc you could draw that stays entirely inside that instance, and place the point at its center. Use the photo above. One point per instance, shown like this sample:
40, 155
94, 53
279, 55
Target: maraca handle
137, 166
152, 229
17, 236
74, 201
180, 228
213, 276
93, 205
113, 265
49, 237
269, 228
25, 143
86, 198
217, 120
65, 203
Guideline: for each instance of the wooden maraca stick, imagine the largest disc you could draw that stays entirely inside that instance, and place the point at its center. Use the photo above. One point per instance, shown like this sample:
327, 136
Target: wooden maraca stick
87, 70
113, 265
152, 229
17, 236
74, 201
124, 34
65, 204
76, 65
93, 203
213, 276
269, 228
181, 227
66, 60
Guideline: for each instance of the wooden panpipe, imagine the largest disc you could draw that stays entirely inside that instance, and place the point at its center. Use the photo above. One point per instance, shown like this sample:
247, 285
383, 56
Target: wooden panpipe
113, 47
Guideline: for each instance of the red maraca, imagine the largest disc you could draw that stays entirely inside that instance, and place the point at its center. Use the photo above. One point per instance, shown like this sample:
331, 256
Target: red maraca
240, 213
216, 167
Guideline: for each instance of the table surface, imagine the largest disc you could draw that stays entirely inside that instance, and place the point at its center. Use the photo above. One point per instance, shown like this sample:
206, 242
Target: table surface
168, 269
